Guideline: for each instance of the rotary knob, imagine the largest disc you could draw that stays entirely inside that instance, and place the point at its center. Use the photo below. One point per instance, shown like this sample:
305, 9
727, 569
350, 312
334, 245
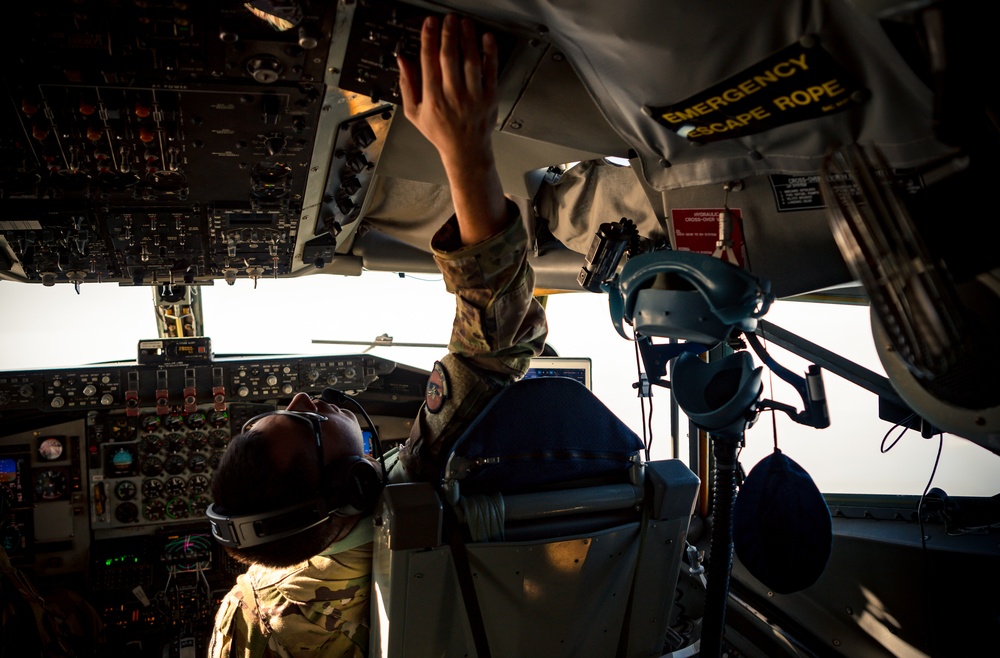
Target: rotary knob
265, 69
272, 380
89, 390
58, 402
243, 391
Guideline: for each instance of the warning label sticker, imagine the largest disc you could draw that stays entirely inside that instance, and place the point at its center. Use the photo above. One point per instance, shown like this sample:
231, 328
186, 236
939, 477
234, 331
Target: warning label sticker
799, 82
805, 192
796, 192
697, 230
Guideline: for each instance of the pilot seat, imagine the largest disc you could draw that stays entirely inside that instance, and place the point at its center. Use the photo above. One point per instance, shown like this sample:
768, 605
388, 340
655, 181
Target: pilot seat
547, 535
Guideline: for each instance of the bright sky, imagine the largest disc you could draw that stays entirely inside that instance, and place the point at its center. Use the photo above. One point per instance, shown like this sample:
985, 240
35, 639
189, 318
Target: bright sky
50, 327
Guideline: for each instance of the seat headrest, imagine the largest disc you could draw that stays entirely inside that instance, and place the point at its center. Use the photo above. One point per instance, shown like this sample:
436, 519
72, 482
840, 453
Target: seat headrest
537, 432
705, 300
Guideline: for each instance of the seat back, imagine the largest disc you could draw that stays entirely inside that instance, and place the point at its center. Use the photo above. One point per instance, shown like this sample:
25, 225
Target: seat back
573, 543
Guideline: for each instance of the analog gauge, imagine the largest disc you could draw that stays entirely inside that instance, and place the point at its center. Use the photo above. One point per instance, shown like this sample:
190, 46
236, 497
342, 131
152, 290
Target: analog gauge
218, 418
151, 444
150, 423
175, 486
122, 429
175, 464
152, 466
197, 484
197, 463
127, 513
152, 488
125, 490
50, 484
50, 449
197, 440
199, 504
177, 508
173, 422
196, 420
154, 510
213, 460
218, 438
175, 442
122, 460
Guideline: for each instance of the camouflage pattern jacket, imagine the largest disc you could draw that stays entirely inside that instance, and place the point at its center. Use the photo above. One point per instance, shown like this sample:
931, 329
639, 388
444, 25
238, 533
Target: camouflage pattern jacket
316, 608
28, 627
499, 326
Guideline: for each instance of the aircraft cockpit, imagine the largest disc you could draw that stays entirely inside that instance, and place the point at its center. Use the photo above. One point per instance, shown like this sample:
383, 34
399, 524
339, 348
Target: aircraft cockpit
764, 221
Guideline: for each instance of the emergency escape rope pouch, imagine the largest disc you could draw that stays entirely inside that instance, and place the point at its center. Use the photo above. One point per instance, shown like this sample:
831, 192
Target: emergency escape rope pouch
782, 530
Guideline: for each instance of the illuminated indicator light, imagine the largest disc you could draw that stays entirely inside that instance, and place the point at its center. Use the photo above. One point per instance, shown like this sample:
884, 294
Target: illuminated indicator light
39, 132
146, 135
94, 134
29, 108
86, 108
142, 111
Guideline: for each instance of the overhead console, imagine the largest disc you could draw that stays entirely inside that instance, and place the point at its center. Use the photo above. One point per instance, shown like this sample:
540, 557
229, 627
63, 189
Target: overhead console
160, 142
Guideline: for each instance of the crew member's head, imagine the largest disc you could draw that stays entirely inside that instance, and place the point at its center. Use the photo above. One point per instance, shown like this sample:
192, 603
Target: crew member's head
285, 458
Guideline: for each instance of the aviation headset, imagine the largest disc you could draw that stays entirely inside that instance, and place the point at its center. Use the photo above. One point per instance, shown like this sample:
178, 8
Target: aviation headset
347, 486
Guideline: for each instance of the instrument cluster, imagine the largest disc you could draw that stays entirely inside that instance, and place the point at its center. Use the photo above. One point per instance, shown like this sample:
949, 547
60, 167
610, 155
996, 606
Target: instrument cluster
155, 468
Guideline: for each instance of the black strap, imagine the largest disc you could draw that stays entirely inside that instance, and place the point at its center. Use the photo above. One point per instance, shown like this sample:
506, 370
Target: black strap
460, 554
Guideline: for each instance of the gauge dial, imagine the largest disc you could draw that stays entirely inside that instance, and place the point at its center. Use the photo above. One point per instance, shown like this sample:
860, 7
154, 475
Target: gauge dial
197, 440
177, 508
50, 449
196, 420
218, 438
218, 418
152, 488
175, 486
127, 513
150, 423
213, 460
122, 460
197, 463
176, 442
125, 490
122, 429
50, 484
173, 422
151, 444
175, 464
199, 504
154, 510
152, 466
197, 484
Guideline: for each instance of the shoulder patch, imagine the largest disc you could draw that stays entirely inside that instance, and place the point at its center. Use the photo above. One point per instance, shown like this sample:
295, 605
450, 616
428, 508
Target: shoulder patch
437, 388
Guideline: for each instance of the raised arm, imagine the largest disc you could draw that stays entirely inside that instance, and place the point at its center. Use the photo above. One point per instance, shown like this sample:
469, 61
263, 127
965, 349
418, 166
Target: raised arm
452, 101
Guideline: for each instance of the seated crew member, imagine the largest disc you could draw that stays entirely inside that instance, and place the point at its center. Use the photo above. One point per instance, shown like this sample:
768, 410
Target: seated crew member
308, 593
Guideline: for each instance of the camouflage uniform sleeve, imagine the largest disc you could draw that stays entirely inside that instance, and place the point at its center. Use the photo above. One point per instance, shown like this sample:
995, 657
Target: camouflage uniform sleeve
315, 609
27, 626
498, 327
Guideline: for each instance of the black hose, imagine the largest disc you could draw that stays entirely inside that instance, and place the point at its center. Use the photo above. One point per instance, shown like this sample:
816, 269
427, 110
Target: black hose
720, 558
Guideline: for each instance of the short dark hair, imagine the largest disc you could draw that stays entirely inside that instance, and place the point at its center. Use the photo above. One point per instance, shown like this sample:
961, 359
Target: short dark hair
248, 482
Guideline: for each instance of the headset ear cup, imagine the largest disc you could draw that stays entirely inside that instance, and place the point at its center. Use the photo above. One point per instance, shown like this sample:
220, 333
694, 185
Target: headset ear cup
353, 481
